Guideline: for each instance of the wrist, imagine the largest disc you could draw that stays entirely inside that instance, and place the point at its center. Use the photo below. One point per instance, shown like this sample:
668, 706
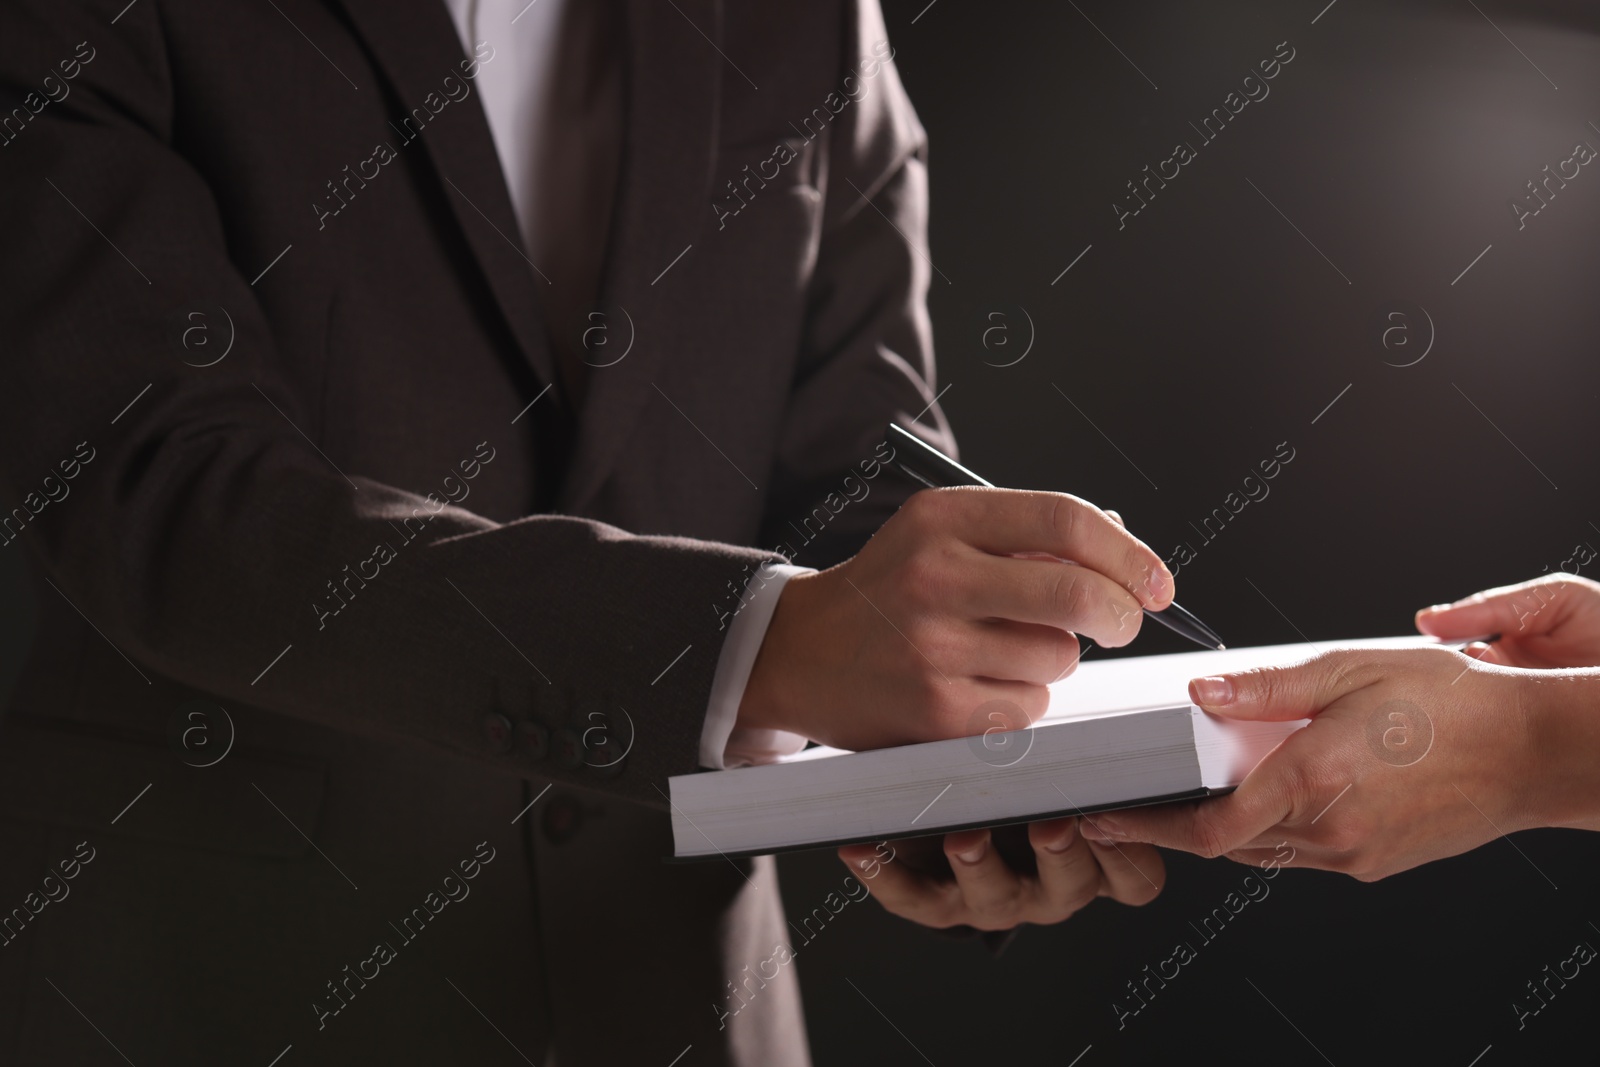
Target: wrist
1562, 708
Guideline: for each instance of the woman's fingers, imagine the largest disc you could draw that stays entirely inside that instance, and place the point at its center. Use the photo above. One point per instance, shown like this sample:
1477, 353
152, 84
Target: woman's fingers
1526, 608
1296, 691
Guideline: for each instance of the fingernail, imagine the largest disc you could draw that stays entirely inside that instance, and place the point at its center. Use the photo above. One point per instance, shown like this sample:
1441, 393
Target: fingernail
975, 853
1102, 829
1437, 607
1158, 583
1061, 844
1213, 690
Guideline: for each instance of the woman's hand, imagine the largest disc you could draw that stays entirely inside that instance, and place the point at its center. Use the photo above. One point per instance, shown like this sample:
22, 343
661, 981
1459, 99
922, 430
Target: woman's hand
1410, 756
991, 880
1549, 622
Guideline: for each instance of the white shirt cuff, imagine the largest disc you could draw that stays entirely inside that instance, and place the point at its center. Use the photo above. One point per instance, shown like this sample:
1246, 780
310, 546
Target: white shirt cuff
723, 743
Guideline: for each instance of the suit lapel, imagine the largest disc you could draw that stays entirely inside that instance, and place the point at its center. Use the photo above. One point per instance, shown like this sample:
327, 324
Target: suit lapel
674, 88
416, 46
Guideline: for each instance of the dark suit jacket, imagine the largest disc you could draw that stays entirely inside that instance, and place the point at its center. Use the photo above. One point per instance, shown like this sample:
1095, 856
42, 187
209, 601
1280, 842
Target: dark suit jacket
326, 604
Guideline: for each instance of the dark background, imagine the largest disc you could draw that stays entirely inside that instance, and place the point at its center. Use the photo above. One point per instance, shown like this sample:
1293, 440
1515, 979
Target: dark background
1196, 340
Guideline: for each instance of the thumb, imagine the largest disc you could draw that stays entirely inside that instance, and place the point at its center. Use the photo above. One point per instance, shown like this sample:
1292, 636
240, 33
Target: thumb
1522, 609
1281, 693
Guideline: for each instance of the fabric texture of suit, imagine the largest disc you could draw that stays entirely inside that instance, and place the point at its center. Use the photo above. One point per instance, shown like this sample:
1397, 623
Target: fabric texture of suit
260, 262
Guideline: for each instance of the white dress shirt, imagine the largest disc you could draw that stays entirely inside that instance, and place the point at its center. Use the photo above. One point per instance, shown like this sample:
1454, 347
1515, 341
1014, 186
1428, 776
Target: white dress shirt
723, 743
516, 95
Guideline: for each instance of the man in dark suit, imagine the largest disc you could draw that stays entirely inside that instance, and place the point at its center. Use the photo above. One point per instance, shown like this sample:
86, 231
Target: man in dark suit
386, 571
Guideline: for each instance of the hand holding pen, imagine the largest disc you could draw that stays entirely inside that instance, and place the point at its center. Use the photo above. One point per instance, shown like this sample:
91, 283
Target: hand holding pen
956, 615
926, 464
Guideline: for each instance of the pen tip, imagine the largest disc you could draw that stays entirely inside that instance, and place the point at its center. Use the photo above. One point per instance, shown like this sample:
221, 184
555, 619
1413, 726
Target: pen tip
1221, 647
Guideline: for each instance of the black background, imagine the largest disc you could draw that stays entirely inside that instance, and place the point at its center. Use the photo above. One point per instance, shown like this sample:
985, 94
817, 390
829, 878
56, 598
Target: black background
1197, 339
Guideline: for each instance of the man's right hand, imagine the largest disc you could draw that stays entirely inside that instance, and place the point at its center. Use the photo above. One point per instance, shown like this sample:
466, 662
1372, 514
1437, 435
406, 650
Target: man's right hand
938, 617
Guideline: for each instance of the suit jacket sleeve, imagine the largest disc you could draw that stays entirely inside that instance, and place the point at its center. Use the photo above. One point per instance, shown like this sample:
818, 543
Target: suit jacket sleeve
206, 523
868, 348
